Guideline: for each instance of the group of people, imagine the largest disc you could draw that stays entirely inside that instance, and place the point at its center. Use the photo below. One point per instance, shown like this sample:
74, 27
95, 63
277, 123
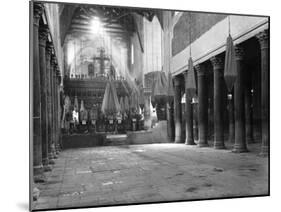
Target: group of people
94, 120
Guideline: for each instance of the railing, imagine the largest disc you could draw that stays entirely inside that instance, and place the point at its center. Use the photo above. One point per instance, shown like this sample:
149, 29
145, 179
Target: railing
97, 76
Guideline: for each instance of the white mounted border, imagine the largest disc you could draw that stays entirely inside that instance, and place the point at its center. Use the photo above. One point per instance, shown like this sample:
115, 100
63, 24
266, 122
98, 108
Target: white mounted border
213, 41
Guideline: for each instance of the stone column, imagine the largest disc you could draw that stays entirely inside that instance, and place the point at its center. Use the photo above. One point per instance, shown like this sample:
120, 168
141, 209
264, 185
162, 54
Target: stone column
36, 119
248, 112
58, 111
195, 119
189, 139
49, 48
263, 39
55, 109
202, 106
178, 112
239, 105
43, 36
218, 103
170, 121
53, 64
231, 130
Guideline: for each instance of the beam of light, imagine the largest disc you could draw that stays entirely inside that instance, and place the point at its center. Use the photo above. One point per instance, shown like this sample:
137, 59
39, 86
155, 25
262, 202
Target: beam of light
96, 26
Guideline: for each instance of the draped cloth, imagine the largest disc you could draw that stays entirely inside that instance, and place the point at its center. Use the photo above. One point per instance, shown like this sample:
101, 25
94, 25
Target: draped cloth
159, 88
122, 106
110, 104
170, 88
134, 100
126, 104
230, 67
190, 81
83, 112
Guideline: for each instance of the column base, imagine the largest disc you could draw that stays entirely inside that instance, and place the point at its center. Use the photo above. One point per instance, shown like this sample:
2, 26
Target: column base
219, 145
189, 142
50, 156
46, 166
202, 144
51, 161
239, 149
57, 149
40, 178
55, 155
38, 172
178, 140
264, 151
35, 194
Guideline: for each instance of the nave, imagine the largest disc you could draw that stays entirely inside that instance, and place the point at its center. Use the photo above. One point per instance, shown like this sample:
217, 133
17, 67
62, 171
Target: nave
156, 95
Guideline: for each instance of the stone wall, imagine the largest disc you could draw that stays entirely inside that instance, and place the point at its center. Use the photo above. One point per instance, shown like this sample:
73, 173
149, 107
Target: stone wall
200, 23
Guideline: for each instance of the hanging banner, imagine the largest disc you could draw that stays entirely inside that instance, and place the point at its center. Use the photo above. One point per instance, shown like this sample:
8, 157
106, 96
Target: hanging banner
122, 106
160, 89
190, 81
170, 88
230, 67
126, 104
83, 113
110, 103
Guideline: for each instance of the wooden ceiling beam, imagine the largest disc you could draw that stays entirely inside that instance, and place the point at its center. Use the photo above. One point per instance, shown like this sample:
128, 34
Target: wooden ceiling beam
87, 30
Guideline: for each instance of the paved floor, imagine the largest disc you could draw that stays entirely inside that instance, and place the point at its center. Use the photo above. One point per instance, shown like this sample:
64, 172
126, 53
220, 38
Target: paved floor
149, 173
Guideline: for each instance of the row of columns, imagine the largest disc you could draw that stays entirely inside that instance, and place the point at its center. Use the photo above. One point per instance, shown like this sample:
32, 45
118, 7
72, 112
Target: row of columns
45, 82
240, 126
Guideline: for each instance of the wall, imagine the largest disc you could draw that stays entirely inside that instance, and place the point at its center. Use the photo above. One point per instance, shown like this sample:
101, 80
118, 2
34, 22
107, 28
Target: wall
212, 42
196, 23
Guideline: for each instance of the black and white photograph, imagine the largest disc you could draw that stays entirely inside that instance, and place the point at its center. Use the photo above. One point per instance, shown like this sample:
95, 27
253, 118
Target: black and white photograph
134, 105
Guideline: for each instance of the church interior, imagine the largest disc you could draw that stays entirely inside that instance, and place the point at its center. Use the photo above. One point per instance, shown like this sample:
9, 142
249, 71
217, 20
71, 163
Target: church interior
135, 105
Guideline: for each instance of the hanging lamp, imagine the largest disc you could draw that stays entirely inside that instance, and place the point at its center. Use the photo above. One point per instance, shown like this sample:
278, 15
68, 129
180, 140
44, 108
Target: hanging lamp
190, 81
230, 67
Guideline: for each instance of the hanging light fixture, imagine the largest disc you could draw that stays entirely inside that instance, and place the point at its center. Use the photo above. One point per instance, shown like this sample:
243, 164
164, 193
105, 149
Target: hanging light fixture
230, 69
190, 81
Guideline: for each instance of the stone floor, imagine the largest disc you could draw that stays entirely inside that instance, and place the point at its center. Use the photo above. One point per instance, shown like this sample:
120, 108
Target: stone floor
149, 173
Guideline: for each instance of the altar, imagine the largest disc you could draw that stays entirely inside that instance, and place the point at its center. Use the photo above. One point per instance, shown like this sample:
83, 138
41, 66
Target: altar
101, 98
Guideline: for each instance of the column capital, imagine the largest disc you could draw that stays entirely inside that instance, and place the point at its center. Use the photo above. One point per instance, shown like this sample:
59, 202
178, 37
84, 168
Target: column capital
217, 62
201, 70
49, 49
43, 35
53, 60
239, 52
37, 12
263, 38
177, 81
